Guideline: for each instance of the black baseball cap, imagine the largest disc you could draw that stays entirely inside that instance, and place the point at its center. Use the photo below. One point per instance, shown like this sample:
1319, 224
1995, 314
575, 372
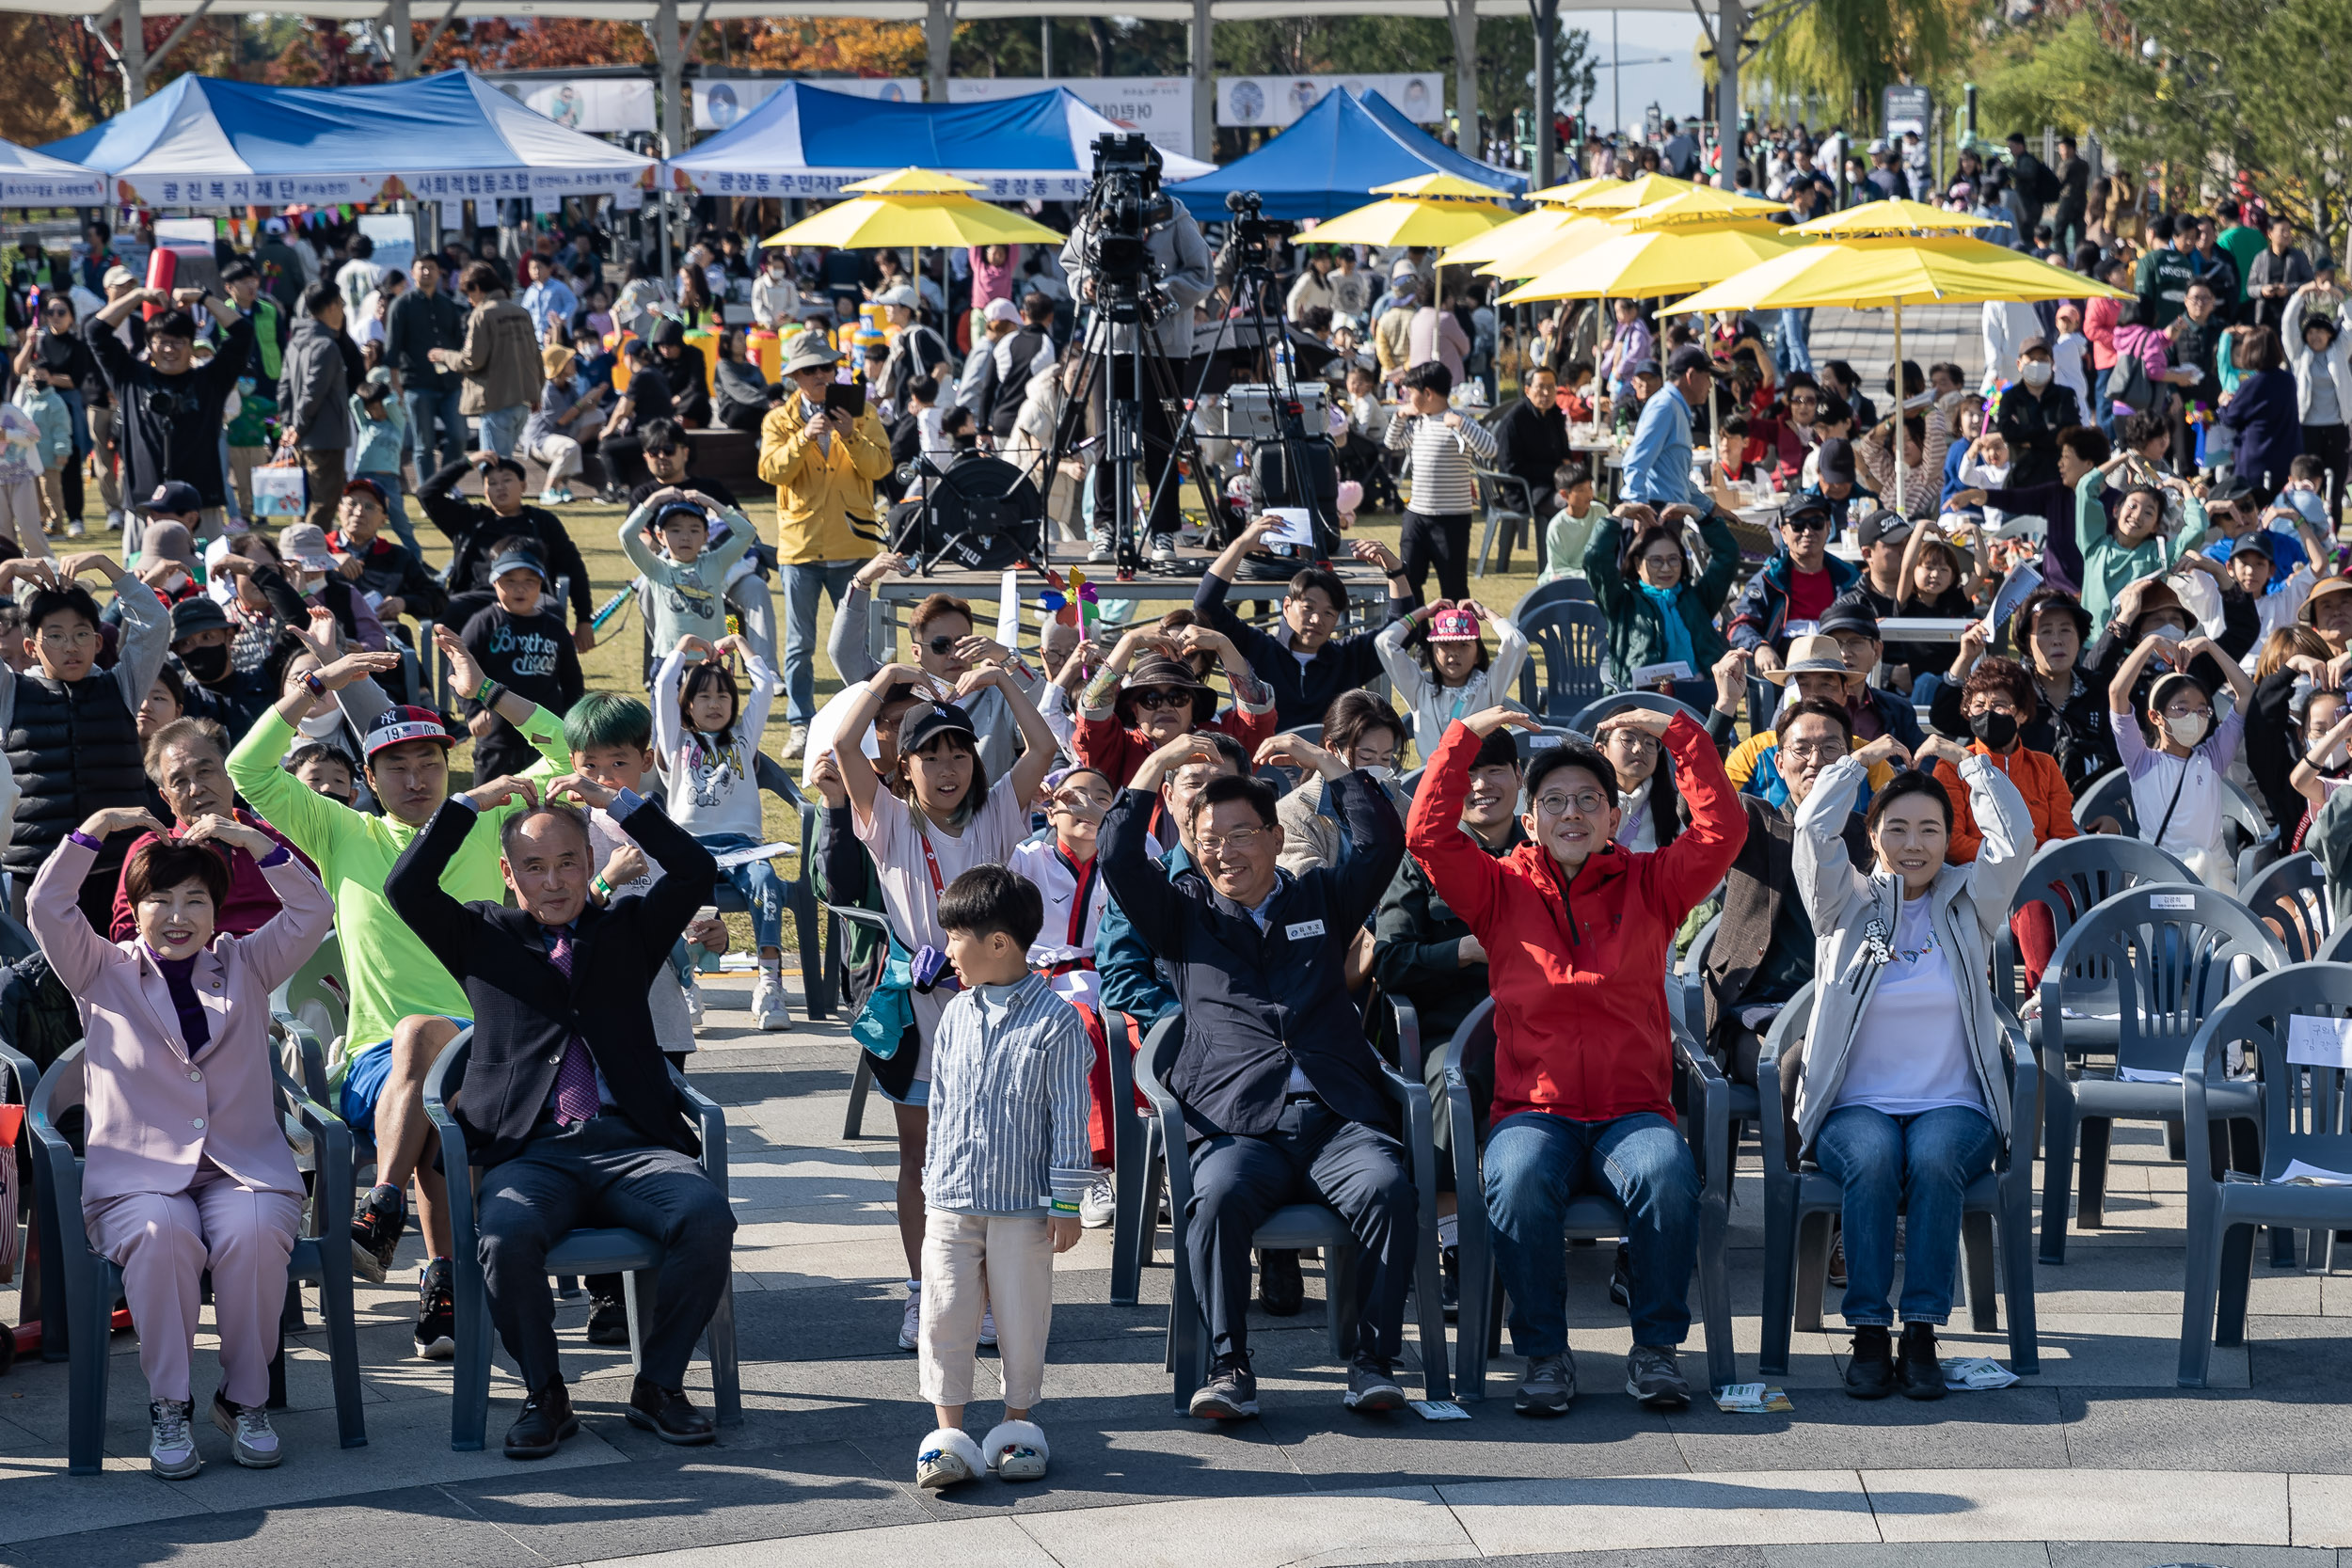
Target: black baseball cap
1884, 526
1850, 613
192, 615
1689, 358
1836, 462
922, 727
173, 497
1813, 507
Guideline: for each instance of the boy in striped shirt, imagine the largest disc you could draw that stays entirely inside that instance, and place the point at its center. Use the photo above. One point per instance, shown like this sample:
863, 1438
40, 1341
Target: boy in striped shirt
1006, 1161
1447, 449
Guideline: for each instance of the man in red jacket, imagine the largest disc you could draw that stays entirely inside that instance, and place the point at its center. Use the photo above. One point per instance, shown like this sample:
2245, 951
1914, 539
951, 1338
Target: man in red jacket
1578, 933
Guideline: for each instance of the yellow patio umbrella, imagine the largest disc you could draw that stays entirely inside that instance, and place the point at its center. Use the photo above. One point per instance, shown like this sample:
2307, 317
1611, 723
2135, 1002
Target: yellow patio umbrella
914, 207
1538, 252
1638, 192
1428, 209
1870, 271
1657, 262
1526, 229
1575, 189
1891, 217
1704, 204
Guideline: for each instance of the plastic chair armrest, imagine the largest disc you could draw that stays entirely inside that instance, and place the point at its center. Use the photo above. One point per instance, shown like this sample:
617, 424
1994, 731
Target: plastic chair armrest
1462, 1132
330, 1141
455, 1161
1770, 1130
1413, 1097
1409, 1058
713, 1122
1709, 1132
1171, 1115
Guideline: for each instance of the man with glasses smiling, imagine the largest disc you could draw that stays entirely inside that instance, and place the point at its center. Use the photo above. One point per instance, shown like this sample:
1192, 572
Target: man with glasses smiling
1282, 1096
1578, 932
1305, 661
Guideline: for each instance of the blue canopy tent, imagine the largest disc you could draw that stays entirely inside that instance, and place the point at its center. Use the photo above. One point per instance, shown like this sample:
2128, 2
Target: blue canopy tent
208, 143
1328, 160
808, 142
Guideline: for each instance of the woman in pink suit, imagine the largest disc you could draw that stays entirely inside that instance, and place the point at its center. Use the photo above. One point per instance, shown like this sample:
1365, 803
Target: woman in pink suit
188, 1168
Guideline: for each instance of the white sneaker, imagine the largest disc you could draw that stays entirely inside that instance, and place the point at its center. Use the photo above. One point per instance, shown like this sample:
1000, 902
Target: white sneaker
554, 497
170, 1446
1162, 551
694, 1002
988, 1328
768, 1009
73, 529
1100, 1205
911, 1325
795, 745
1099, 553
251, 1441
114, 517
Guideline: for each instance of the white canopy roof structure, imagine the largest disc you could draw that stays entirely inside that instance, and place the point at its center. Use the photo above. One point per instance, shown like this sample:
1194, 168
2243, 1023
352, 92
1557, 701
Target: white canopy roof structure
30, 179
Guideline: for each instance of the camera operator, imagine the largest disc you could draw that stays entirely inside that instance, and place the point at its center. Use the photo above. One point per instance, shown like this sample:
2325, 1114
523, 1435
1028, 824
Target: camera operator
171, 408
1177, 277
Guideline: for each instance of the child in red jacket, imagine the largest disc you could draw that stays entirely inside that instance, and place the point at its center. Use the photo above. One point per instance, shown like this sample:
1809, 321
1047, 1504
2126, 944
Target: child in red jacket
1578, 933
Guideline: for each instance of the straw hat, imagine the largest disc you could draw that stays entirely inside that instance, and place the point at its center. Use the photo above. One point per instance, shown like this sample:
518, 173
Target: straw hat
1815, 654
556, 361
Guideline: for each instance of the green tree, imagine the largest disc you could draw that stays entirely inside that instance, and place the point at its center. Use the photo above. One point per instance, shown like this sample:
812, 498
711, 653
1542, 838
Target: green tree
1845, 51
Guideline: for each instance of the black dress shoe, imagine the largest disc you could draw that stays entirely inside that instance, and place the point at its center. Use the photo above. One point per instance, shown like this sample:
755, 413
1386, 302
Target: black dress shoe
608, 1320
1917, 1367
666, 1414
546, 1421
1870, 1370
1282, 1289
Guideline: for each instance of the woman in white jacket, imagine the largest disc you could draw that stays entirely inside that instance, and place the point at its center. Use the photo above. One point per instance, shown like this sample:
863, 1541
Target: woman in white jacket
1452, 677
1905, 1097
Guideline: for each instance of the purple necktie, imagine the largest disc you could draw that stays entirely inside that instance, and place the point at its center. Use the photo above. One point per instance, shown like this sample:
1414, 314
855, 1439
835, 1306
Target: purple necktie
576, 1080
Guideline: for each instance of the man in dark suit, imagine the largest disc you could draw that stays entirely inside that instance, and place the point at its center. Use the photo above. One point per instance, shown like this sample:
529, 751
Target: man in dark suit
567, 1106
1283, 1099
1531, 439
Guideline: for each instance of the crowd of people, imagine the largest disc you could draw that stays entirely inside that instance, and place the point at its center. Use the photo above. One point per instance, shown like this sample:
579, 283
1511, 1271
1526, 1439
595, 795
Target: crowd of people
1068, 843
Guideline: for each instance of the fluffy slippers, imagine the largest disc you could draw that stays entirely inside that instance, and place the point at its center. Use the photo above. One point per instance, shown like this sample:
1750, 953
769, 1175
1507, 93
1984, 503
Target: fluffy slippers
1017, 1451
947, 1457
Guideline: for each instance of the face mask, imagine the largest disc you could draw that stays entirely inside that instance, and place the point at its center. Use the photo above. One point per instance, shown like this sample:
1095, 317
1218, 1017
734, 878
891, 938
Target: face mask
2188, 728
2036, 373
1379, 774
206, 664
2167, 631
319, 726
175, 582
1996, 730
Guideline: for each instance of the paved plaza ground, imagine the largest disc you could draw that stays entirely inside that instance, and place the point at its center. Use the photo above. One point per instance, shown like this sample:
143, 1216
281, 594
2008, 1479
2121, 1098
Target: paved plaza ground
2099, 1462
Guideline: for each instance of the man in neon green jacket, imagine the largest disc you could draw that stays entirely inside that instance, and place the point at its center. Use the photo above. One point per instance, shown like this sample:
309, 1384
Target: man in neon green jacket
405, 1005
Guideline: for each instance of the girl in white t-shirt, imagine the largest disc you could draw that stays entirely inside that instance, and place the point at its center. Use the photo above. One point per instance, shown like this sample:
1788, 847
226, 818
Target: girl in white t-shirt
941, 816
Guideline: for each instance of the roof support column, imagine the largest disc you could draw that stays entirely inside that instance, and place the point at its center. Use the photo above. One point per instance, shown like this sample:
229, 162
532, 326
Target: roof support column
1731, 31
1546, 15
669, 63
939, 36
1204, 40
403, 42
1470, 142
134, 52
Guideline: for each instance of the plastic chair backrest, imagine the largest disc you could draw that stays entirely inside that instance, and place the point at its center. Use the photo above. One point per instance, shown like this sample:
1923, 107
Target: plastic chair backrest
1617, 701
1473, 1037
1543, 595
2071, 877
2291, 897
1570, 641
2172, 948
2108, 794
2304, 1103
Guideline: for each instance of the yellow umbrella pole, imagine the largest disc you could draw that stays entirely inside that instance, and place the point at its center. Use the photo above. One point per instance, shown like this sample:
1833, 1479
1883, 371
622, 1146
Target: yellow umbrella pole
1903, 389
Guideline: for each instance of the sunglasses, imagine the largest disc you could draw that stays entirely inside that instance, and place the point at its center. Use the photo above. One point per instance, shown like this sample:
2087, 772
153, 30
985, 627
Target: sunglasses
1152, 701
1805, 525
662, 452
943, 644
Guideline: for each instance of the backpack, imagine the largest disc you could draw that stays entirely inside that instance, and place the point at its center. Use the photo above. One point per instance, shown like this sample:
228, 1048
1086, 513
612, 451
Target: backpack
2128, 383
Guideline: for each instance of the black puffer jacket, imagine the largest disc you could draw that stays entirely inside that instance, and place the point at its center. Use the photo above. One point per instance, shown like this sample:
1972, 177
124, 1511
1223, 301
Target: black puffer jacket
74, 749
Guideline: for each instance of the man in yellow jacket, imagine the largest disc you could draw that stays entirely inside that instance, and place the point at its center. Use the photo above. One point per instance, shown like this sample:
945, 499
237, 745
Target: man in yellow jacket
823, 463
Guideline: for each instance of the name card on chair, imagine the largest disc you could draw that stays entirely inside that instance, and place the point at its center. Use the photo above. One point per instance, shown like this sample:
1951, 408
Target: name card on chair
2320, 1041
2172, 900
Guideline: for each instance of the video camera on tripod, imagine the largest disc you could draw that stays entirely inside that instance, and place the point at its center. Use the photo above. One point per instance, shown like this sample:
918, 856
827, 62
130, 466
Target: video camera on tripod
1124, 203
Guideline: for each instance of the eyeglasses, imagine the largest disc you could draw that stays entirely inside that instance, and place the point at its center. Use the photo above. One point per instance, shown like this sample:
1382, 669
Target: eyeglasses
1239, 842
75, 636
1588, 802
1824, 750
1152, 701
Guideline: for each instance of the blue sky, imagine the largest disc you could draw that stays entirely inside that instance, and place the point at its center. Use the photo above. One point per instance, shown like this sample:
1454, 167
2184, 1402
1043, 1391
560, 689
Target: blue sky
1643, 36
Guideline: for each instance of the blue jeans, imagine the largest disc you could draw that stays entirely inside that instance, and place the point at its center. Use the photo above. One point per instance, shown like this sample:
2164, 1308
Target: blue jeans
1921, 1165
801, 584
502, 428
397, 508
1535, 1163
428, 405
757, 882
1793, 345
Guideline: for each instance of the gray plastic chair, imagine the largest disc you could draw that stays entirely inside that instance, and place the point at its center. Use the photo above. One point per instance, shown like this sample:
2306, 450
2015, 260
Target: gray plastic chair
1558, 591
1996, 1218
1509, 504
2244, 826
1707, 1124
2069, 877
2291, 897
42, 1291
1135, 1151
1592, 713
800, 891
2304, 1111
92, 1284
586, 1251
1568, 641
319, 994
1689, 980
1298, 1225
2172, 948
